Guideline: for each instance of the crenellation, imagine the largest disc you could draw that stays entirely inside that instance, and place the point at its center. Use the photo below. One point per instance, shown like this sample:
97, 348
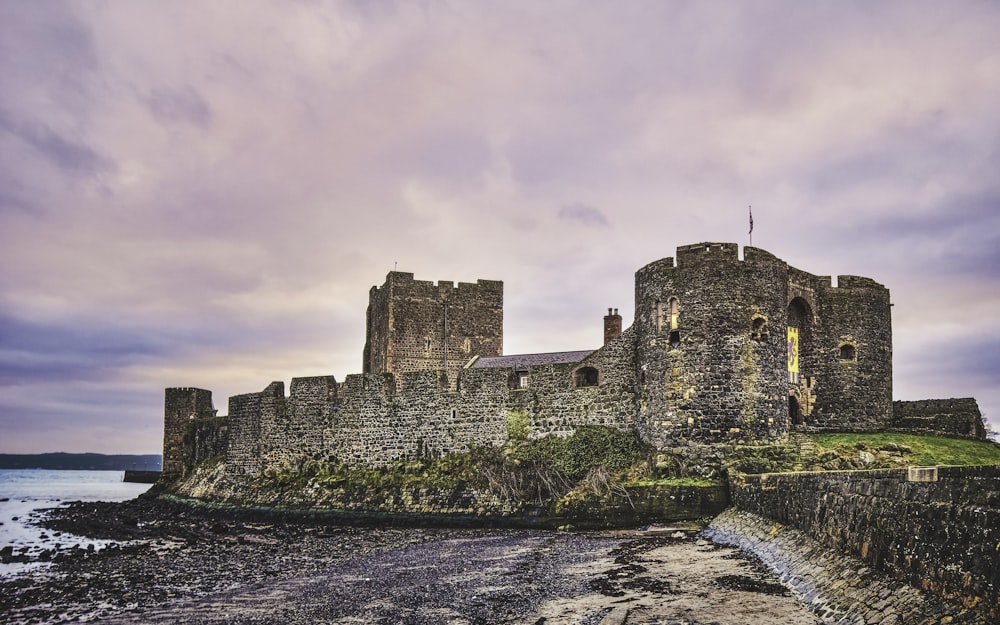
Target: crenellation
720, 350
700, 253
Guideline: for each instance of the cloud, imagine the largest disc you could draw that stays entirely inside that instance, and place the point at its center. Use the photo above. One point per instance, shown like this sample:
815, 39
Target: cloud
583, 214
207, 190
60, 151
183, 105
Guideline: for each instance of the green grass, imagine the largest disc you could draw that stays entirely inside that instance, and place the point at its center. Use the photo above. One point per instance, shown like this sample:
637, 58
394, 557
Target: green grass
926, 450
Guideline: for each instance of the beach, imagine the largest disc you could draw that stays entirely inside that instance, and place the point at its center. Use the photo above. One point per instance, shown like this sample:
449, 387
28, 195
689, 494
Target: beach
167, 562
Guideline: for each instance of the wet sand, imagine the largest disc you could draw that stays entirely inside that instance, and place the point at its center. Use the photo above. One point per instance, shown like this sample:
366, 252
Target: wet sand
196, 567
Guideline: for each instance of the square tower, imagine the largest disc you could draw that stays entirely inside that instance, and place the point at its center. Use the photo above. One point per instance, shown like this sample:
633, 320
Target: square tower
416, 325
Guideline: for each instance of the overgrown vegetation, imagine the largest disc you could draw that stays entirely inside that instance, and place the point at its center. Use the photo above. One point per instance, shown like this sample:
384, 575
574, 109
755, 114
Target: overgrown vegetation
598, 465
594, 464
518, 425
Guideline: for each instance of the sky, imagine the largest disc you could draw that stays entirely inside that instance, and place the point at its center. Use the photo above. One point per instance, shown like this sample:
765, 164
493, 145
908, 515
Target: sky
202, 193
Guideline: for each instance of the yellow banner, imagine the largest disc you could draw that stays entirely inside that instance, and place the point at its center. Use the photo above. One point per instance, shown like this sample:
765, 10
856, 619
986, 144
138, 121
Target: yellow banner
793, 355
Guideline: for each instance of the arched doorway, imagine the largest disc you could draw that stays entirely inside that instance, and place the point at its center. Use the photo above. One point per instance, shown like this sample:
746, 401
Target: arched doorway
794, 411
800, 320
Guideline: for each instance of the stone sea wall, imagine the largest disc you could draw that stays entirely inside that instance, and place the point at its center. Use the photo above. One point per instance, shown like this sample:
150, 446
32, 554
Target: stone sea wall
839, 587
936, 528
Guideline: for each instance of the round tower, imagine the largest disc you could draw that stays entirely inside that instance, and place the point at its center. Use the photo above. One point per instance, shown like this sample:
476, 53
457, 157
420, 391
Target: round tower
711, 351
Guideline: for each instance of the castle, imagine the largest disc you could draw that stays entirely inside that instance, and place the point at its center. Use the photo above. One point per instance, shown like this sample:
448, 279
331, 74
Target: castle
722, 350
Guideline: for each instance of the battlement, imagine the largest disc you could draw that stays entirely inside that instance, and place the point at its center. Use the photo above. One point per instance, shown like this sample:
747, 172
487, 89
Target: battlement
858, 282
701, 253
405, 282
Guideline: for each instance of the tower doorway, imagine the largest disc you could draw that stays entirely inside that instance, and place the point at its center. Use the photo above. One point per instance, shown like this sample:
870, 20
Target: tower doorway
794, 411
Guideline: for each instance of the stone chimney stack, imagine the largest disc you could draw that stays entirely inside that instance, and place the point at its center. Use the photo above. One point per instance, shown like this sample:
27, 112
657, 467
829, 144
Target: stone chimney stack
612, 325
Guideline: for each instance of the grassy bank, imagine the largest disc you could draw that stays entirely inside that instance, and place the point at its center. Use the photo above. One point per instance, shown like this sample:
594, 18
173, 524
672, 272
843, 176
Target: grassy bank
911, 449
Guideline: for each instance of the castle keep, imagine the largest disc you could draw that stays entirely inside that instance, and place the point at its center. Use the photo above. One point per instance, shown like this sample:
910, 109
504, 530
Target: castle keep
722, 349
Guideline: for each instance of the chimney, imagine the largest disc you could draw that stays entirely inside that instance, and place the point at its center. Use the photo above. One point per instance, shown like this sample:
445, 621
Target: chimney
612, 325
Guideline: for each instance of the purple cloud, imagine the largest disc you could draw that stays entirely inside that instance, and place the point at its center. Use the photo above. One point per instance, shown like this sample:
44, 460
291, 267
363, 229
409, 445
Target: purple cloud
583, 214
184, 105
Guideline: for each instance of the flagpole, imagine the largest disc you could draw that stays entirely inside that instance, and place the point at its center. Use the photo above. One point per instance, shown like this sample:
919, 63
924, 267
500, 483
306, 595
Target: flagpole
750, 208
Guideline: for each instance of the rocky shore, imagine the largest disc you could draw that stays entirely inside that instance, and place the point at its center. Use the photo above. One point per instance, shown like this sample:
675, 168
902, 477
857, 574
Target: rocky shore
175, 563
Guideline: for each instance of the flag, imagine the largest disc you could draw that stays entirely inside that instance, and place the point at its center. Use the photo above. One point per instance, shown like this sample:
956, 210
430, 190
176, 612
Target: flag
751, 220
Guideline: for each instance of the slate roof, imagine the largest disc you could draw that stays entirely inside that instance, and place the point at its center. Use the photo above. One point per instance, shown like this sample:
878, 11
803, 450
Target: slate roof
521, 362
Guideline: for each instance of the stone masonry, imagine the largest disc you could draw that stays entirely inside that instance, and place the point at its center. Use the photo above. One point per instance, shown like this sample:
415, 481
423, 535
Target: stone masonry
935, 528
722, 349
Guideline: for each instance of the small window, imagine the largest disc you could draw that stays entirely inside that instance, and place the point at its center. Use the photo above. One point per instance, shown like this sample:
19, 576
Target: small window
522, 381
427, 344
675, 313
467, 346
848, 352
454, 413
675, 339
758, 329
587, 376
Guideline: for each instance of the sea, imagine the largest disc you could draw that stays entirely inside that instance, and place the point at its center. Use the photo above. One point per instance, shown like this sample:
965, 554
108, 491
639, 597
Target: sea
25, 492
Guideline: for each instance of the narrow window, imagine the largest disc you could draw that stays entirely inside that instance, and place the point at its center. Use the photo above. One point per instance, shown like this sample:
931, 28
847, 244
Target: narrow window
454, 413
675, 339
467, 346
658, 315
522, 381
427, 344
675, 313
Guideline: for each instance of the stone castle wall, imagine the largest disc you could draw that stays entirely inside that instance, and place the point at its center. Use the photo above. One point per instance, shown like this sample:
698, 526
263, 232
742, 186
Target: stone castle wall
936, 528
377, 419
557, 404
950, 417
706, 361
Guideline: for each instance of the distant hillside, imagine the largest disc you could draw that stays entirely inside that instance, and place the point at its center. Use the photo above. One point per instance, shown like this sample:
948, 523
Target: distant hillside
82, 462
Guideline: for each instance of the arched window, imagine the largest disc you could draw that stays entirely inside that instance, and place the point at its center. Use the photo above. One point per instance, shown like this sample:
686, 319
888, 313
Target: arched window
668, 315
848, 351
758, 328
586, 376
675, 312
799, 313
